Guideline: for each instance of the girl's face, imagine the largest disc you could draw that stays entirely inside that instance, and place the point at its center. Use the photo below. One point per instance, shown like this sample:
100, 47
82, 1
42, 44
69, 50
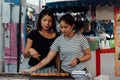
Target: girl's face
46, 22
65, 28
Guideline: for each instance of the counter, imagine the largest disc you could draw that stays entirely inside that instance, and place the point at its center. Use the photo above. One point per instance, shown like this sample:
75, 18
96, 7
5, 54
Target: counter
98, 61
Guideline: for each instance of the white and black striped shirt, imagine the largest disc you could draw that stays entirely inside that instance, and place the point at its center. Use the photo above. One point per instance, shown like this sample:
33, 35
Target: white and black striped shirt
70, 49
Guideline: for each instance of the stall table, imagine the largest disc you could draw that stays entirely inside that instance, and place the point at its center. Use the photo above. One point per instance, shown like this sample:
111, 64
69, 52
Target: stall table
19, 76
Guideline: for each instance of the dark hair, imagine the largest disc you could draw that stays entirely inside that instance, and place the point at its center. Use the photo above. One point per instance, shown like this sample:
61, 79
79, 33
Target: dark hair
69, 19
41, 15
79, 25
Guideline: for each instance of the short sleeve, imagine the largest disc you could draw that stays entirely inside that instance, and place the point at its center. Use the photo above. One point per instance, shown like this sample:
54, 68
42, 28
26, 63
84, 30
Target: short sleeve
84, 43
31, 35
56, 44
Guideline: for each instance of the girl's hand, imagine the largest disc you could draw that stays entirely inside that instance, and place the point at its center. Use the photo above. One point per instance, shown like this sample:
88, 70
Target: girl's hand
34, 53
73, 62
28, 71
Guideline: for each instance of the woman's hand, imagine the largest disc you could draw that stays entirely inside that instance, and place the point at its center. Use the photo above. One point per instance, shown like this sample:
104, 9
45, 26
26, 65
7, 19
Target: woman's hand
91, 39
34, 53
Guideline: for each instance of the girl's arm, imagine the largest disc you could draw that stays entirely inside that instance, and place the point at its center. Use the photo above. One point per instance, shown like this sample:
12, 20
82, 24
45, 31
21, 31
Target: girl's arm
87, 55
58, 62
42, 63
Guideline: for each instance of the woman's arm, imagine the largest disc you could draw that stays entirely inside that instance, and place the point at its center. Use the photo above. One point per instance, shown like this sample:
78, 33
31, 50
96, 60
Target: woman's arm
28, 46
42, 63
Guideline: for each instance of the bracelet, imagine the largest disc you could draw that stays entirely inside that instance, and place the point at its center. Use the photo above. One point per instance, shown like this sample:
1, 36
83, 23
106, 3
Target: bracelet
78, 60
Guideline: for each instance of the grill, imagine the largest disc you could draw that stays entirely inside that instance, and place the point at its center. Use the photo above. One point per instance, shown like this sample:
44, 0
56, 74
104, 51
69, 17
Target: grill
19, 76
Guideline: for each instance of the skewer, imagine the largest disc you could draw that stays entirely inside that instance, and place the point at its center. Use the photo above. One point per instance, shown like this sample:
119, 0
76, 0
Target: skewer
50, 74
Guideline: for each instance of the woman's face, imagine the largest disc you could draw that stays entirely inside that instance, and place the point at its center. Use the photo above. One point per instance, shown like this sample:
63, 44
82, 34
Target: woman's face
65, 28
46, 22
87, 27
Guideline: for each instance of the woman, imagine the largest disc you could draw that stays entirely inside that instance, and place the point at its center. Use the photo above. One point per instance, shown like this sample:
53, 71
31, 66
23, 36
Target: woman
73, 48
89, 33
79, 26
40, 40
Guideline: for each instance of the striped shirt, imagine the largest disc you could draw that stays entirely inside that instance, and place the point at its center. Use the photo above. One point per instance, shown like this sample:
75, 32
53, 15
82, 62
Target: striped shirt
70, 49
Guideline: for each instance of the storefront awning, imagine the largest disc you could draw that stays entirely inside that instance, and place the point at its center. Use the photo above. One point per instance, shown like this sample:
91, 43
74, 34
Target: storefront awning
77, 6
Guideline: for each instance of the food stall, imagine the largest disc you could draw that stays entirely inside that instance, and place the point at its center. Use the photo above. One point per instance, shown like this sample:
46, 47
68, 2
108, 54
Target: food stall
95, 10
75, 6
